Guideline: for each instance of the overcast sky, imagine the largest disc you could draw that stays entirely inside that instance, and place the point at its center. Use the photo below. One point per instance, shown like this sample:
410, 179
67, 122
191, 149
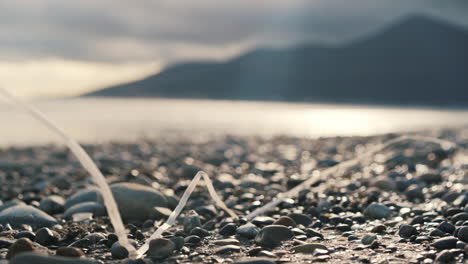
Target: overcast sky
64, 47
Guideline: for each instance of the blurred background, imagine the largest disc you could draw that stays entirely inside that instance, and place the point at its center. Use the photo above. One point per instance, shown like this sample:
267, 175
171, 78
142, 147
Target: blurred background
122, 70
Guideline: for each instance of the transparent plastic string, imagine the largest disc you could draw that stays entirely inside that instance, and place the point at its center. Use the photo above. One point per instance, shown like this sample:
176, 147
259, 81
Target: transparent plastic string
87, 163
343, 166
173, 216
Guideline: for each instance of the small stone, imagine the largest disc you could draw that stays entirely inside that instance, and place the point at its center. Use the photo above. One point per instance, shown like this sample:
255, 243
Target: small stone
31, 257
6, 242
192, 240
384, 183
422, 239
192, 220
26, 215
71, 252
228, 249
312, 233
11, 203
301, 219
285, 221
463, 234
21, 245
266, 253
377, 211
379, 229
159, 213
227, 241
26, 234
52, 204
445, 256
198, 231
446, 227
343, 227
308, 248
161, 248
228, 229
255, 261
414, 193
460, 217
45, 236
139, 209
461, 244
178, 242
445, 243
436, 233
96, 209
368, 239
406, 231
261, 221
120, 252
430, 178
95, 238
248, 230
82, 196
273, 235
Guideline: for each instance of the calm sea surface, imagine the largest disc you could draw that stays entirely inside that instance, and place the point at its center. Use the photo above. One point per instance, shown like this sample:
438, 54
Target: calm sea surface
98, 120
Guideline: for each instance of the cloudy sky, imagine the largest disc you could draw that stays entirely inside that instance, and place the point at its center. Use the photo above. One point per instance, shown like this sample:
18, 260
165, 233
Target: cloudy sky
65, 47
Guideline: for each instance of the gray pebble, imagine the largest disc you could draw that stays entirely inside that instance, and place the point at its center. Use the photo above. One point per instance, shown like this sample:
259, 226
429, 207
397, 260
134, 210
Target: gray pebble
228, 249
445, 243
26, 215
139, 209
248, 230
368, 239
82, 196
406, 231
45, 236
377, 211
52, 204
463, 234
273, 235
192, 220
161, 248
96, 209
29, 258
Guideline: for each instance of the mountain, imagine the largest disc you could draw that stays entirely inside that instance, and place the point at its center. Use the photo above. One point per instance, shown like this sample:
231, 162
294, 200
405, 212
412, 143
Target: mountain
418, 60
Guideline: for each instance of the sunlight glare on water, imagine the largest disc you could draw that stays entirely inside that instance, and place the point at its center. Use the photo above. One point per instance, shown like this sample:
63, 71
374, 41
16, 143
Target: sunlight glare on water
96, 119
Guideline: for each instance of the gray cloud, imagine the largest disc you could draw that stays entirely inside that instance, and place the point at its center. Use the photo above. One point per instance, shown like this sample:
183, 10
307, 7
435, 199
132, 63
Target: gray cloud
167, 30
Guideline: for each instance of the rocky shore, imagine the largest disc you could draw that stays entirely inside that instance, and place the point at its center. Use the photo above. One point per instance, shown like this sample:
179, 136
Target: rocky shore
407, 204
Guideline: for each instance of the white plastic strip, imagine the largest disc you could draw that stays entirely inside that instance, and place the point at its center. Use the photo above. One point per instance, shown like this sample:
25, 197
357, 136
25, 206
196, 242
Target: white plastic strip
341, 166
88, 164
172, 218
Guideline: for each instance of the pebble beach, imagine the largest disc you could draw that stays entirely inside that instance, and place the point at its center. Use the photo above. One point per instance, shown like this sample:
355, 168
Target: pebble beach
405, 204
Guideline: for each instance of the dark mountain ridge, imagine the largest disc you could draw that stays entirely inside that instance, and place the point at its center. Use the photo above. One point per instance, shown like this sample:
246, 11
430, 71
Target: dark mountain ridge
418, 60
